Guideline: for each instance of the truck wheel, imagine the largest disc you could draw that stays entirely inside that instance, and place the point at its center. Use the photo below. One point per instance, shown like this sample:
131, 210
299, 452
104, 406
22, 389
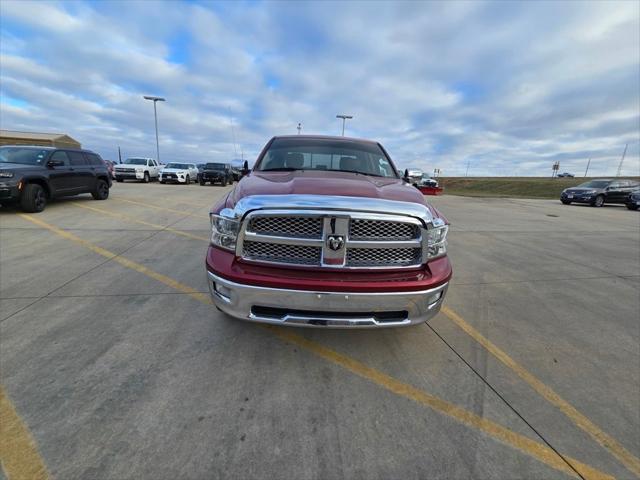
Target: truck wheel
202, 182
566, 202
187, 180
33, 198
632, 207
119, 179
101, 191
145, 179
598, 201
224, 182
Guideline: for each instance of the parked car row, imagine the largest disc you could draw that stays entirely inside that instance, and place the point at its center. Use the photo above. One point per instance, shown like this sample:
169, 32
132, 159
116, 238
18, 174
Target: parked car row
598, 192
30, 176
147, 169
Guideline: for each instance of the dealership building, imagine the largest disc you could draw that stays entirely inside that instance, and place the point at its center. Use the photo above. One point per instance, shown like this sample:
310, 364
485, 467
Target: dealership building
9, 137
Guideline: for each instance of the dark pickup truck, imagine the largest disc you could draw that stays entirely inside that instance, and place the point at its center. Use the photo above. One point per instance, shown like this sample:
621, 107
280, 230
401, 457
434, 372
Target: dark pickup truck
216, 172
33, 175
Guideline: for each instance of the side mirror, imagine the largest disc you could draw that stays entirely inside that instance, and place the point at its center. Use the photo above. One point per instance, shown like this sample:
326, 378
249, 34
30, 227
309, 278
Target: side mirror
55, 163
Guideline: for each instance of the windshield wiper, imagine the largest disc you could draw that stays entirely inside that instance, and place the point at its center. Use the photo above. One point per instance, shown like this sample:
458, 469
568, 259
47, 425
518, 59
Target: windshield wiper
355, 171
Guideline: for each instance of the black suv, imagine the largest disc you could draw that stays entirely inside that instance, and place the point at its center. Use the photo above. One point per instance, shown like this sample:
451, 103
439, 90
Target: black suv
32, 175
216, 172
598, 192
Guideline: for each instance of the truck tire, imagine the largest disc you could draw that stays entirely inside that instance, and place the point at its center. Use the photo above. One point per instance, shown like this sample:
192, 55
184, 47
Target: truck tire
202, 183
566, 202
632, 207
101, 191
119, 179
598, 201
33, 198
187, 180
146, 177
223, 182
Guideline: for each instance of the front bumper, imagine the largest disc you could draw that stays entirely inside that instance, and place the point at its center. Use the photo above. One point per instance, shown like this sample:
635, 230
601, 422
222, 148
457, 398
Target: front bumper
9, 192
130, 175
173, 178
324, 309
578, 198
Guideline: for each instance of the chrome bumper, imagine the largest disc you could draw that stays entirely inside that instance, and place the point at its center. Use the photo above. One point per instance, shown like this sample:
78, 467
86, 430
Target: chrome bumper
332, 309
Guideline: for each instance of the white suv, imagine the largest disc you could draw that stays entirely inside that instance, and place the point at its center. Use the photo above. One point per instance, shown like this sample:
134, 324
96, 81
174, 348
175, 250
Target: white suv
145, 169
179, 172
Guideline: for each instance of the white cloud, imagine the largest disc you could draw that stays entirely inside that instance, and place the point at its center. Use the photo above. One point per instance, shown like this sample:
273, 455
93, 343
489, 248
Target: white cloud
507, 87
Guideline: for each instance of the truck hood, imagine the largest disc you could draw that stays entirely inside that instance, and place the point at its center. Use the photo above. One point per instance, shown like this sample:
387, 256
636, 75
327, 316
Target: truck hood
307, 182
339, 184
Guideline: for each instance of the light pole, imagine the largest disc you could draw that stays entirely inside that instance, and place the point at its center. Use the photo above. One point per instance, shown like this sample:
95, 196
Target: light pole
344, 117
155, 115
299, 127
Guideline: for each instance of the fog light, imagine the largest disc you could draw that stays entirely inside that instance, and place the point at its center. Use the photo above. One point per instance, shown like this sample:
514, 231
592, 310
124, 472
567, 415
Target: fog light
433, 299
223, 291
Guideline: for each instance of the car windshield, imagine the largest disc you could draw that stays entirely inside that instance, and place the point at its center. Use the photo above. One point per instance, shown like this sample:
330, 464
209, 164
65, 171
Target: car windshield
178, 166
336, 155
135, 161
27, 156
595, 184
215, 166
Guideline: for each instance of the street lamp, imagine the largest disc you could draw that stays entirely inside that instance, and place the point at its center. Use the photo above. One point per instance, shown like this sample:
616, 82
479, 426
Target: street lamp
155, 115
344, 117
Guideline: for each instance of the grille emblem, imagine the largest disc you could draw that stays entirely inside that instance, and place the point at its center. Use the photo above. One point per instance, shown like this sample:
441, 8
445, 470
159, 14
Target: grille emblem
335, 242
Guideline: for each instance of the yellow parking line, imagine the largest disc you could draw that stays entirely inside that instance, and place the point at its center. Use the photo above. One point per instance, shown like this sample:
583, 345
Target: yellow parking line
155, 207
192, 292
507, 437
18, 452
532, 448
122, 216
581, 421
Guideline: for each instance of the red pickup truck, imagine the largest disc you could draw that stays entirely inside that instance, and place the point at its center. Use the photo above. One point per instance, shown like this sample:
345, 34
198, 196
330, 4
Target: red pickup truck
325, 232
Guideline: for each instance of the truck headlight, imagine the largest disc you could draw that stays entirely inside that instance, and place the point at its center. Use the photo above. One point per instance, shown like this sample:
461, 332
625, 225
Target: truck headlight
437, 239
224, 229
6, 174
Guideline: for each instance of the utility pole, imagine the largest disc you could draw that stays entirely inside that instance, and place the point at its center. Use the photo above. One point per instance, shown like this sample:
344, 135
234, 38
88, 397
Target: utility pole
155, 115
119, 155
588, 163
344, 117
467, 173
299, 127
622, 160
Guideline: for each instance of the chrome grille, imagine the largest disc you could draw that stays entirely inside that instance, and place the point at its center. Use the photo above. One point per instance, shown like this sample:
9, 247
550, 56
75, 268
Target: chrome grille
279, 253
370, 257
364, 229
296, 227
332, 240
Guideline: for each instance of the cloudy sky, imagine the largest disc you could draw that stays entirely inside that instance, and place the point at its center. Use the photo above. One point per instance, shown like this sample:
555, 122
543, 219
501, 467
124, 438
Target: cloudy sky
506, 87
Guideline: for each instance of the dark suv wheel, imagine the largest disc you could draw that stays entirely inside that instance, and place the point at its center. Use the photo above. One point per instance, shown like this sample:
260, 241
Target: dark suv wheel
101, 191
33, 198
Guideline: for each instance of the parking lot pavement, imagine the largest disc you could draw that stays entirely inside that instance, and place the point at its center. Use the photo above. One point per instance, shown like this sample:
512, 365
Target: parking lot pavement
119, 367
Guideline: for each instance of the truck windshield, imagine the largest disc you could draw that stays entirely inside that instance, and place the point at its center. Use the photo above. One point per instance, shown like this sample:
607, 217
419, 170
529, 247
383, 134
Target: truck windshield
27, 156
215, 166
135, 161
328, 155
595, 184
